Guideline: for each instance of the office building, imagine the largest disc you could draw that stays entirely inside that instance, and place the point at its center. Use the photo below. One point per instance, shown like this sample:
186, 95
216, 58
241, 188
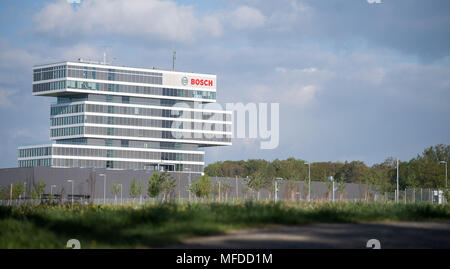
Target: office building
117, 117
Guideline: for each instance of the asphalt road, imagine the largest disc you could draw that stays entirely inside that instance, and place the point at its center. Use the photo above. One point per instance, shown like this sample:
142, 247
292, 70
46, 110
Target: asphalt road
422, 235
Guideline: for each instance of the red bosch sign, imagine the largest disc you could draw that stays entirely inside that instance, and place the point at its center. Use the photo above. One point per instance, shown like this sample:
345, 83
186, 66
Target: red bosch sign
201, 82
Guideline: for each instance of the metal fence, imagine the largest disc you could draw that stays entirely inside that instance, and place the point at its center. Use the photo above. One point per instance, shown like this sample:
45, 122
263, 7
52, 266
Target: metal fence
229, 190
92, 185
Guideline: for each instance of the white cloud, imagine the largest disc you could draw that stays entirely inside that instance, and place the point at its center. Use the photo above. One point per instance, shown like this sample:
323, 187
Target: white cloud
84, 51
301, 95
12, 58
245, 17
24, 132
5, 97
138, 18
294, 87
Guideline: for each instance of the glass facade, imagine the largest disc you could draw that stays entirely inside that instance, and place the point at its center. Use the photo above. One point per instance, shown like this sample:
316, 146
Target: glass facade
35, 162
137, 111
113, 74
95, 86
33, 152
138, 122
124, 100
48, 73
127, 154
118, 126
128, 143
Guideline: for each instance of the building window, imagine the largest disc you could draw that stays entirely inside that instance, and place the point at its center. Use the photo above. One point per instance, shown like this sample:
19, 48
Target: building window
109, 164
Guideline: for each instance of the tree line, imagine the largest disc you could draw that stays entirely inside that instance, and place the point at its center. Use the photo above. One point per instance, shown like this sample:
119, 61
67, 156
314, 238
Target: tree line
426, 170
158, 184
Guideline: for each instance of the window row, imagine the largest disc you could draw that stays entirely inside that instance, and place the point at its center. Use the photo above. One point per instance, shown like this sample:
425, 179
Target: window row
67, 109
33, 152
123, 100
49, 86
124, 165
156, 123
71, 84
49, 73
34, 163
110, 70
157, 112
156, 134
128, 143
68, 131
114, 76
128, 154
67, 120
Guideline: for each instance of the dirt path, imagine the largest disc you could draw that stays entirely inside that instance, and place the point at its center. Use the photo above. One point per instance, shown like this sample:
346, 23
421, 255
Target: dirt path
390, 234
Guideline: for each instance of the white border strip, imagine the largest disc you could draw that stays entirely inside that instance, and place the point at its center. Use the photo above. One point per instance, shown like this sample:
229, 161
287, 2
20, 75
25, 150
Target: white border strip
107, 66
124, 94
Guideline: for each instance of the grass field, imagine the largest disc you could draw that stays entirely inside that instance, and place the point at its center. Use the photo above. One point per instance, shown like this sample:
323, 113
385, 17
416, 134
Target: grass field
163, 224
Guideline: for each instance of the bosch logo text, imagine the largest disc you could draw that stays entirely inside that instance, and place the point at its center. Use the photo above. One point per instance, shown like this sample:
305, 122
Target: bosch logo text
201, 82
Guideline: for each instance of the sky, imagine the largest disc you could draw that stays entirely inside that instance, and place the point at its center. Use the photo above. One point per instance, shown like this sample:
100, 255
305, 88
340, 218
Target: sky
354, 79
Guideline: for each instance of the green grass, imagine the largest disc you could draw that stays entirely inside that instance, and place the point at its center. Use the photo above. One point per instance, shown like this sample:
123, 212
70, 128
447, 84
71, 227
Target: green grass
159, 225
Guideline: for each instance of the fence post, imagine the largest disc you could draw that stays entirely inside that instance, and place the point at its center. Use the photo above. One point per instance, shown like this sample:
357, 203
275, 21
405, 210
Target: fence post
405, 195
219, 190
276, 191
237, 189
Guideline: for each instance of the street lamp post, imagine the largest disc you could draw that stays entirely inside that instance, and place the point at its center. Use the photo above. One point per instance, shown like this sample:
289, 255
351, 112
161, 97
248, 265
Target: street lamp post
71, 181
276, 188
332, 180
309, 181
25, 191
51, 190
396, 195
104, 187
446, 174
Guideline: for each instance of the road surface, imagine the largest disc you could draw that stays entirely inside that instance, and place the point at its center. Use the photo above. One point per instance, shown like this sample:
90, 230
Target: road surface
424, 235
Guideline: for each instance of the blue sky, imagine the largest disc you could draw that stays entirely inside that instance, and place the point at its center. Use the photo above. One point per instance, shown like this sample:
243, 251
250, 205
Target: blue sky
355, 81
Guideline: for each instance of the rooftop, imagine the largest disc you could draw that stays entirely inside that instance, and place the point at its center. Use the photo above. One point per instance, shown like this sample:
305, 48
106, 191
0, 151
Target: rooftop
99, 64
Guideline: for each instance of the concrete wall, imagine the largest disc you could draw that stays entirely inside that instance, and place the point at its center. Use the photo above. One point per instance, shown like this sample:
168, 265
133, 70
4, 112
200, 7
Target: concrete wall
88, 182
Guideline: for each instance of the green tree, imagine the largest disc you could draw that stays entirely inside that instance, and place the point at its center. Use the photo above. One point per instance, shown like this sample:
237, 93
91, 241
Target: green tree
167, 184
40, 188
135, 189
115, 189
340, 188
257, 181
202, 187
154, 185
161, 183
225, 187
5, 193
214, 169
18, 190
424, 171
34, 194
